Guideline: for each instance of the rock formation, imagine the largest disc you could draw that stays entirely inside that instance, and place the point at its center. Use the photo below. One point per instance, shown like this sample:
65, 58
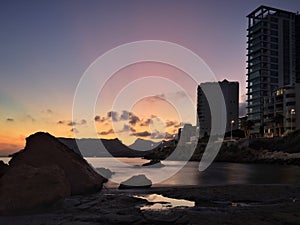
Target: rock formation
44, 172
138, 181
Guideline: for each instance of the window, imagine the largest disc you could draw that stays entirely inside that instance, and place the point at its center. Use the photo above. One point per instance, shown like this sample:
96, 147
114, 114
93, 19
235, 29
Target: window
290, 95
274, 80
274, 53
274, 39
273, 32
274, 26
274, 60
274, 73
274, 19
274, 67
274, 46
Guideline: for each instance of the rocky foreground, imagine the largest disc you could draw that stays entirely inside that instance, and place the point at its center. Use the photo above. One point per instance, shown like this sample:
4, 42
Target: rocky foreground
238, 204
43, 173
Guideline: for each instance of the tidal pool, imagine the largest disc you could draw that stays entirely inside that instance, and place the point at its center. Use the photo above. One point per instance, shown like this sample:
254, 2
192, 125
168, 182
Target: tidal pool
161, 202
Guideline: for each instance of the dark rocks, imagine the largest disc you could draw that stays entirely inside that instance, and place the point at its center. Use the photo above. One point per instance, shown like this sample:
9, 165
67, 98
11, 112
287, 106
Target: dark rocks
24, 188
155, 163
120, 207
44, 172
3, 168
107, 173
139, 181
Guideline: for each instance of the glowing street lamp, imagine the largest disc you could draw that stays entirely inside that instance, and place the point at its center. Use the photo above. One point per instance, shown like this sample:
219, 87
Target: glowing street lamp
293, 112
231, 125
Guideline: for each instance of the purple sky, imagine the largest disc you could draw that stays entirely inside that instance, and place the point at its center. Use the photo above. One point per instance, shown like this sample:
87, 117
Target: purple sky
45, 46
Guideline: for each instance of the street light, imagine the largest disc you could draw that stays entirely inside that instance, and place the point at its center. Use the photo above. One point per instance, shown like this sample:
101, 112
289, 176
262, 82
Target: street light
231, 124
293, 112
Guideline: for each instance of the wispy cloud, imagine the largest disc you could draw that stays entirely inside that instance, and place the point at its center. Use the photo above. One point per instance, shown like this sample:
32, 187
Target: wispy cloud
29, 117
142, 134
47, 111
72, 123
110, 131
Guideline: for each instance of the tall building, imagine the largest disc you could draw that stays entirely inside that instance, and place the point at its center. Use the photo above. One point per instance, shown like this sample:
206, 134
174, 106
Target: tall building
297, 86
230, 92
273, 54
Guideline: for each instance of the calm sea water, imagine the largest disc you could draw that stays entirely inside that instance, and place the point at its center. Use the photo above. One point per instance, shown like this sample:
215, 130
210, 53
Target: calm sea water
216, 174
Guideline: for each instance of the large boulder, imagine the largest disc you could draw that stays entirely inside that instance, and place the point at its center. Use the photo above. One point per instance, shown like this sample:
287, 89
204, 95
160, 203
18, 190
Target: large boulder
3, 168
48, 168
25, 188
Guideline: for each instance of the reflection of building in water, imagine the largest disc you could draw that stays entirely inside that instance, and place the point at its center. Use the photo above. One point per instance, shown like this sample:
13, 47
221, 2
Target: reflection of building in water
187, 134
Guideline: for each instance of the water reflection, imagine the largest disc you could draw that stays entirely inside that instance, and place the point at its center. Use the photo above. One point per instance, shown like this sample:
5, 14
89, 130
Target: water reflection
217, 174
164, 203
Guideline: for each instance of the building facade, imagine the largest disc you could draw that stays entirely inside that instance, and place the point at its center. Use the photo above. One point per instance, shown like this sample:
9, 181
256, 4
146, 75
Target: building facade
230, 92
273, 54
279, 112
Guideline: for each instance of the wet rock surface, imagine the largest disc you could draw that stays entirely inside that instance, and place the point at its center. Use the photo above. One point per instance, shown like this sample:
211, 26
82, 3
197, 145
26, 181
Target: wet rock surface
238, 204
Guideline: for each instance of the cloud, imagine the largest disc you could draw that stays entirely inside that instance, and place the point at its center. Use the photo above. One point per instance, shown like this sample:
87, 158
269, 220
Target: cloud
125, 115
157, 135
99, 119
110, 131
127, 128
10, 120
113, 115
171, 123
180, 94
133, 119
71, 123
47, 111
29, 117
83, 121
174, 123
142, 134
154, 98
74, 130
145, 123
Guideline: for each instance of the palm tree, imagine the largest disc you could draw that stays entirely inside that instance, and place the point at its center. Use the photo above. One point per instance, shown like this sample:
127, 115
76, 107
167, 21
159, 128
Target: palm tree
278, 120
244, 125
249, 125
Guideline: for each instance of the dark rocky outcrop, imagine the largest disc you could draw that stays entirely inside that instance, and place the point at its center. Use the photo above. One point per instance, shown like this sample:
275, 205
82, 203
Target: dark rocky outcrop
155, 163
45, 171
91, 147
26, 188
138, 181
3, 168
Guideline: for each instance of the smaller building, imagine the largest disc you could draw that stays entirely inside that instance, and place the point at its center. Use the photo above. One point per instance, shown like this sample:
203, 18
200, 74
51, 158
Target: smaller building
187, 134
230, 92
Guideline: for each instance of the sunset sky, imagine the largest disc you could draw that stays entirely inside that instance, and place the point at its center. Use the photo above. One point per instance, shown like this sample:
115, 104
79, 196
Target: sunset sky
46, 46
